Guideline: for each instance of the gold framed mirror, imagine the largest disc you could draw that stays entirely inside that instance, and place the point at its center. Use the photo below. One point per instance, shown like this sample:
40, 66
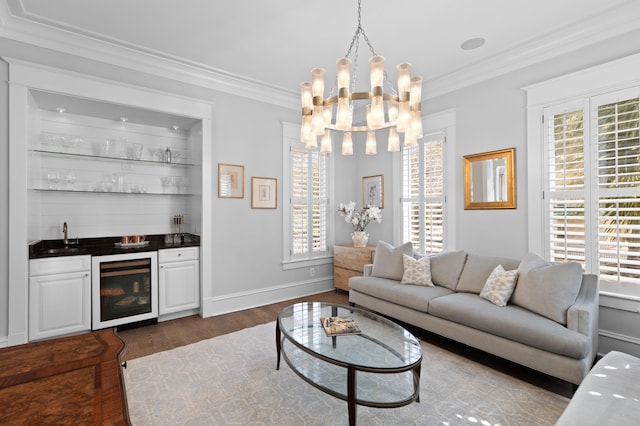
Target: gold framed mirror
489, 180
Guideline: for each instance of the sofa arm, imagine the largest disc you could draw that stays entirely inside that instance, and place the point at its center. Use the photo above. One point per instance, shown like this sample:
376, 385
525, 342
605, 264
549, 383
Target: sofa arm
368, 269
583, 315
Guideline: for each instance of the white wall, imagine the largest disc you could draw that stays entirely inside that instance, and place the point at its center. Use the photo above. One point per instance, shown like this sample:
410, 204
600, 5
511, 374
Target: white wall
247, 243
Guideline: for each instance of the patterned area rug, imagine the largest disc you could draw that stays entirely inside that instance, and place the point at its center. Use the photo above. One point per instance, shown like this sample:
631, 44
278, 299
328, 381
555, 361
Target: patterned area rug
232, 380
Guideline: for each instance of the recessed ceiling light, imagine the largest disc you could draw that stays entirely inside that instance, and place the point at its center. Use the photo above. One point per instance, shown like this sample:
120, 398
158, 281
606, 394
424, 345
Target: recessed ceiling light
124, 119
472, 43
60, 110
175, 128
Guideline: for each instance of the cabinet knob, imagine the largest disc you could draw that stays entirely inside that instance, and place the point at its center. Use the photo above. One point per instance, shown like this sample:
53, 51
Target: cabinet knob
161, 266
179, 254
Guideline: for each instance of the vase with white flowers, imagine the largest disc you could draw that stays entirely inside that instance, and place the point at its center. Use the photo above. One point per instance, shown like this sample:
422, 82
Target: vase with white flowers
359, 219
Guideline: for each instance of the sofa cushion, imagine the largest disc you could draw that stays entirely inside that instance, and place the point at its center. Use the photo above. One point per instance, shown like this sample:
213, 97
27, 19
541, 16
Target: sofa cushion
416, 272
546, 288
387, 262
446, 268
511, 322
477, 269
411, 296
499, 286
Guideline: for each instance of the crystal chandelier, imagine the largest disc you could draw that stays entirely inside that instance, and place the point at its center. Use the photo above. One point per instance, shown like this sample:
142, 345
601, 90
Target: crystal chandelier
402, 106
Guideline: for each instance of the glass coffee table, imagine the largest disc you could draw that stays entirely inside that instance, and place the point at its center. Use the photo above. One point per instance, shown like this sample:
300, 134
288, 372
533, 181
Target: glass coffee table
379, 367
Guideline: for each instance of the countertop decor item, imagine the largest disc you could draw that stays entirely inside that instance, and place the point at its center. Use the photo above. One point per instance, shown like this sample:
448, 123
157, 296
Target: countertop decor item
359, 219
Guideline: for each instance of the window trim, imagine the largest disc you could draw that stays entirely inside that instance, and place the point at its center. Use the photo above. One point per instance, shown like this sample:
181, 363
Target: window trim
574, 87
439, 122
291, 135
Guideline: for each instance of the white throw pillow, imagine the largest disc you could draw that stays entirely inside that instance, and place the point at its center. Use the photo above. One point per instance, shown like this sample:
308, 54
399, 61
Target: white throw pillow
416, 271
499, 286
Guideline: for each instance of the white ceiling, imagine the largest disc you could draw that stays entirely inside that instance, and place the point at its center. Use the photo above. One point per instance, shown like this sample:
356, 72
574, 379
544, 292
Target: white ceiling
278, 42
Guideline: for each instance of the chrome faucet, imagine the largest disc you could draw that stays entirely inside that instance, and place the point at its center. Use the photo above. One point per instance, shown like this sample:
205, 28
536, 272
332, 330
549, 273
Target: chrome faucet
65, 240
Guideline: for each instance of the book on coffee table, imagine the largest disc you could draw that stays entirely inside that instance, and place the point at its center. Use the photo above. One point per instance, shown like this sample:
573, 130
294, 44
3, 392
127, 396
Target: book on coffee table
339, 326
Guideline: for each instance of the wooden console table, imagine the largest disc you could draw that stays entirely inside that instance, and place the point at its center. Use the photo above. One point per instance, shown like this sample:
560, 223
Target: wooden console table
71, 380
349, 261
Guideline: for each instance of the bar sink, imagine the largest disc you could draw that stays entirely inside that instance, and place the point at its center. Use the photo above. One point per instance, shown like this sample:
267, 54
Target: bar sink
64, 250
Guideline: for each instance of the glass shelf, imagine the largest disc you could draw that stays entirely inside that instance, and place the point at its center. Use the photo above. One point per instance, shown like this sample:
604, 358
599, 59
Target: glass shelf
99, 157
81, 191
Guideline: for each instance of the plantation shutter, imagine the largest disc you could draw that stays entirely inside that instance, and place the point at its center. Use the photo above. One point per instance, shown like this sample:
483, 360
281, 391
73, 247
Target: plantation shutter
618, 183
309, 201
592, 165
423, 194
566, 186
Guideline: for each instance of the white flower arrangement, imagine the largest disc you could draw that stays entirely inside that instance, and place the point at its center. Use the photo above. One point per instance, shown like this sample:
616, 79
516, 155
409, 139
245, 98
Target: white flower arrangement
359, 219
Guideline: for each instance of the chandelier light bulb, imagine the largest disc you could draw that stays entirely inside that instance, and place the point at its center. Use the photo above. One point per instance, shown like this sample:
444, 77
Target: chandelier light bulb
392, 110
394, 140
312, 143
376, 71
410, 139
370, 146
416, 125
317, 79
343, 67
416, 93
343, 115
325, 143
404, 116
306, 95
306, 136
377, 113
404, 80
347, 144
317, 120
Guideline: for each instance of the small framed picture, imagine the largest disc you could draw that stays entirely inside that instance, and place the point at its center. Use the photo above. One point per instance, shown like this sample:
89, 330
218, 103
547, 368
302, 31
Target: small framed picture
230, 181
373, 191
264, 193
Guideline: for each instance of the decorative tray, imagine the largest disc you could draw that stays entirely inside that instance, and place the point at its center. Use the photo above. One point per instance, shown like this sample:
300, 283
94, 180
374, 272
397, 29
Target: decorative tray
130, 245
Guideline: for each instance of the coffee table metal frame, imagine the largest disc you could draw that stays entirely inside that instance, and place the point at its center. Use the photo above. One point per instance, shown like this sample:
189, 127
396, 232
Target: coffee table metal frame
351, 396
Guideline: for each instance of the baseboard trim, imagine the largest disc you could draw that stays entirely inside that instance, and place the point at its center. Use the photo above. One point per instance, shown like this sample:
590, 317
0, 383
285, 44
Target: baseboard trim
4, 342
609, 341
176, 315
265, 296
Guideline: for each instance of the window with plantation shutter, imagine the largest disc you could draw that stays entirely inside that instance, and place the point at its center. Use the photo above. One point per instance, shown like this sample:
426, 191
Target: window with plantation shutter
308, 202
306, 192
423, 197
592, 187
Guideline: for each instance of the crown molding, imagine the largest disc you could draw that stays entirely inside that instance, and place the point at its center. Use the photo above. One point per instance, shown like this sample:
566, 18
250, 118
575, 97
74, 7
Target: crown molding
613, 23
18, 25
136, 58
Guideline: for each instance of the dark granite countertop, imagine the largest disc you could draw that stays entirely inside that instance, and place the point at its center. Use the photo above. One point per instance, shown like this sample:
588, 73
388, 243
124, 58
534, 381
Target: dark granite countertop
102, 246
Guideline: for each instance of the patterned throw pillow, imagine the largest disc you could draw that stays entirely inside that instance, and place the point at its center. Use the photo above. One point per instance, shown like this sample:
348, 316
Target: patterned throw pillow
416, 271
499, 286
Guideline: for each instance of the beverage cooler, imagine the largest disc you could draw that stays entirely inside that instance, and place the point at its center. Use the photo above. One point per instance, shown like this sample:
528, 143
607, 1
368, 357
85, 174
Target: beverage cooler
124, 289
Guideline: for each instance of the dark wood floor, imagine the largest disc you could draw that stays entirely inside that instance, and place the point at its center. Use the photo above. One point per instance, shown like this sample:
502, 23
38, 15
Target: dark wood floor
167, 335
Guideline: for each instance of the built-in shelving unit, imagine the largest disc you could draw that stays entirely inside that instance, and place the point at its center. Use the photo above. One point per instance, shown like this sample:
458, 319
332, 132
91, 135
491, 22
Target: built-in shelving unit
90, 152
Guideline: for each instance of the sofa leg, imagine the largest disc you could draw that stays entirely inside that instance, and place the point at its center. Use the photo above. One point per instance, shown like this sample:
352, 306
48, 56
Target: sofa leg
353, 305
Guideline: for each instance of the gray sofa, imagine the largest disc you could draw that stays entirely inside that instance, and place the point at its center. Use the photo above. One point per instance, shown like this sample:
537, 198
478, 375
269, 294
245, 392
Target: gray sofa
550, 323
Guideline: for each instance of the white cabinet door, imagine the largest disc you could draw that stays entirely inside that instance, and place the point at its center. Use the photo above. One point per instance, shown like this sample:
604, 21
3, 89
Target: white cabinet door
59, 304
179, 284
